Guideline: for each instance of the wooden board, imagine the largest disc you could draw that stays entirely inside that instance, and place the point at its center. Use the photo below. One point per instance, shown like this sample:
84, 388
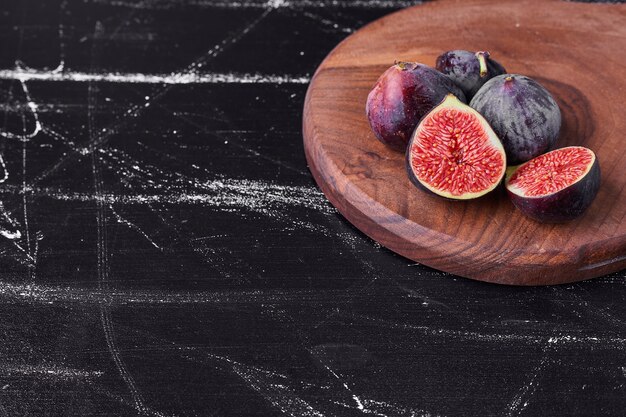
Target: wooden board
576, 50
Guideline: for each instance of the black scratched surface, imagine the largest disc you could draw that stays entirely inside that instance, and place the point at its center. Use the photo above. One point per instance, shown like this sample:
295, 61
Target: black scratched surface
164, 250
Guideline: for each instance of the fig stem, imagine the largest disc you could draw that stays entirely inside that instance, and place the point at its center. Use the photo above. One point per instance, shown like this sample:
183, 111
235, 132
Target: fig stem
482, 62
401, 64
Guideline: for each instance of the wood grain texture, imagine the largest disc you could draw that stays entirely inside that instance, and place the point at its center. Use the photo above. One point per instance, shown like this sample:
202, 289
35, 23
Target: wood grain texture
575, 50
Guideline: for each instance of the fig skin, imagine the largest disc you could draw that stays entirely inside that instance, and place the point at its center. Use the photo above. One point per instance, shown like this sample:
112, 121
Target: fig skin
523, 114
403, 94
464, 68
564, 205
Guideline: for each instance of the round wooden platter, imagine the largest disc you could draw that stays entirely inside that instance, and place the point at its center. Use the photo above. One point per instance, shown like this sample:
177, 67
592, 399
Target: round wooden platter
576, 50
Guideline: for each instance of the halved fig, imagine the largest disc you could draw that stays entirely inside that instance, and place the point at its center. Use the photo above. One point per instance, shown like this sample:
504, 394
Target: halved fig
454, 153
557, 186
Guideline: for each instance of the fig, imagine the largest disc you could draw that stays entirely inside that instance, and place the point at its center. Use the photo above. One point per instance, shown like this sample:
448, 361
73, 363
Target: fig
403, 94
469, 70
557, 186
454, 153
522, 113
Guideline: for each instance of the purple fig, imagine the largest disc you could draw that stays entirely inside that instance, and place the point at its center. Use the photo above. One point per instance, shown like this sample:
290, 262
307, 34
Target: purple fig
469, 70
557, 186
522, 113
401, 97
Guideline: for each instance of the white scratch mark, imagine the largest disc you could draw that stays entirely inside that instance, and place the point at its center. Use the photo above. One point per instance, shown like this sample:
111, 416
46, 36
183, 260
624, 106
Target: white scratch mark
5, 175
224, 194
8, 233
279, 395
328, 22
54, 134
33, 254
25, 137
48, 294
139, 78
357, 400
59, 69
498, 337
271, 385
231, 40
11, 235
102, 242
275, 4
134, 227
372, 407
244, 148
268, 382
61, 31
135, 110
49, 371
293, 4
522, 397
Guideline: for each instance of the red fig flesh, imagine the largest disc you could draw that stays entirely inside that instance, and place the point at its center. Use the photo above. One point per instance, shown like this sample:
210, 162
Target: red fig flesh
557, 186
454, 153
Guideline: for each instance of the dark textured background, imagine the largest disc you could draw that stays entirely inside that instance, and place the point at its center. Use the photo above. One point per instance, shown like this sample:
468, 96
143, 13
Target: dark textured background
164, 250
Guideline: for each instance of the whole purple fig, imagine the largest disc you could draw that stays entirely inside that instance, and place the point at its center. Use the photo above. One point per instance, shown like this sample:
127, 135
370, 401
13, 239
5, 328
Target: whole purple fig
522, 113
469, 70
401, 97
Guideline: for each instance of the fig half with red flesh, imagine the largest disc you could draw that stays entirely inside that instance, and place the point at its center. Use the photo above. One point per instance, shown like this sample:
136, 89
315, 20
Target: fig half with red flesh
557, 186
454, 153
